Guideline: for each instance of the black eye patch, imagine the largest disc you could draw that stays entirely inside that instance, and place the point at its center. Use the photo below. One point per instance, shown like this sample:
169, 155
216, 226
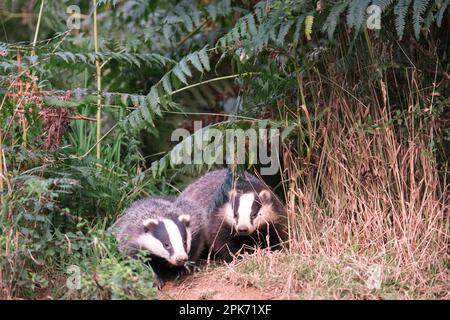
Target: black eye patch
256, 206
159, 231
236, 203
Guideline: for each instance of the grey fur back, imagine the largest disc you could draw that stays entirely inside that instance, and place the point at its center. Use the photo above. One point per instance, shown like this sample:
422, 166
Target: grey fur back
202, 191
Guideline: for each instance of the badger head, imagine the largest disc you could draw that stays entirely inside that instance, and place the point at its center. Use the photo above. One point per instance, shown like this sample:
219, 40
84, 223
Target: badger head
167, 238
246, 212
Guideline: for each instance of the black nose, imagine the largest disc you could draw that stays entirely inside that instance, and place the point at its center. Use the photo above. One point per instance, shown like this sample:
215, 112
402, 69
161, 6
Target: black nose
181, 261
242, 229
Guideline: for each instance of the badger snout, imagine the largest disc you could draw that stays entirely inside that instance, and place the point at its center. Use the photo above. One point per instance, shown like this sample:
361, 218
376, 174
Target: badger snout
242, 230
181, 260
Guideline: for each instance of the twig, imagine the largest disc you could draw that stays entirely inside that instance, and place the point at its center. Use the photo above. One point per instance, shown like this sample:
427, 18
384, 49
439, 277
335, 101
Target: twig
1, 165
42, 113
99, 82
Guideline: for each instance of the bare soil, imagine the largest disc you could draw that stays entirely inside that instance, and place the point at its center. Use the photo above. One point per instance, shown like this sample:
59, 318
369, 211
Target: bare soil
208, 287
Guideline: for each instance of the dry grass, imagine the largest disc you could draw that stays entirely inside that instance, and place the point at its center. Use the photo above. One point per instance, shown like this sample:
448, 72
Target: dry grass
371, 196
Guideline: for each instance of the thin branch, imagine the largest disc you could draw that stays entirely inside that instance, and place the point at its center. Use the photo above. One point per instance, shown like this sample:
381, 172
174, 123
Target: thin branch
43, 113
99, 82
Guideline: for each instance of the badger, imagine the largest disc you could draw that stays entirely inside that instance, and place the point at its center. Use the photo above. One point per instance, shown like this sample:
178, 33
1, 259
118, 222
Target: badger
163, 229
249, 215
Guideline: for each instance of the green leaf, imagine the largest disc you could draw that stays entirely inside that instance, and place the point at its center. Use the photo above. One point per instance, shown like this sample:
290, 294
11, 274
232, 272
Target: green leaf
179, 74
124, 99
153, 100
195, 60
185, 68
166, 84
419, 8
203, 54
146, 114
401, 10
252, 25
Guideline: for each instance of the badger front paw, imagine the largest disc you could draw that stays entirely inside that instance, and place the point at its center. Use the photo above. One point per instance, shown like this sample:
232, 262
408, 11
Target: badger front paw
159, 283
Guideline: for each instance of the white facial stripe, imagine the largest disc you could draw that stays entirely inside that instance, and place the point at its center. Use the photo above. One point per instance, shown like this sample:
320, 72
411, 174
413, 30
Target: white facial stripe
175, 239
228, 214
245, 210
150, 243
188, 239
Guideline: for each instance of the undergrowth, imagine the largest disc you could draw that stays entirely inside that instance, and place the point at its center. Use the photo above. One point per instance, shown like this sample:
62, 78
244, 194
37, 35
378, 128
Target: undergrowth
86, 115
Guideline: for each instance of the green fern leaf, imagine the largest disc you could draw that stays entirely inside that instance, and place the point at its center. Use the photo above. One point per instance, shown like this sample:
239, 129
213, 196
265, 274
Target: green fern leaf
185, 68
135, 100
203, 55
440, 15
333, 18
382, 4
212, 11
179, 74
145, 112
356, 13
195, 60
153, 98
195, 14
124, 99
188, 22
243, 28
401, 11
167, 32
298, 29
253, 30
284, 29
419, 7
81, 57
309, 20
166, 84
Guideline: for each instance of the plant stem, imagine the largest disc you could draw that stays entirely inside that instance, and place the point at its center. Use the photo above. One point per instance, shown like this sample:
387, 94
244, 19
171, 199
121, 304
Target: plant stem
99, 82
215, 79
37, 27
1, 165
33, 52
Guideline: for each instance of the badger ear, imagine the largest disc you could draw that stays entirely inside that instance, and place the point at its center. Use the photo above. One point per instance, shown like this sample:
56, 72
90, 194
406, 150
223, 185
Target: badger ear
150, 224
185, 219
265, 196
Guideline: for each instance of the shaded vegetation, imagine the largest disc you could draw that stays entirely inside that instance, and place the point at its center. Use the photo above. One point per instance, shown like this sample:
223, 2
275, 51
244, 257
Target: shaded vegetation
86, 117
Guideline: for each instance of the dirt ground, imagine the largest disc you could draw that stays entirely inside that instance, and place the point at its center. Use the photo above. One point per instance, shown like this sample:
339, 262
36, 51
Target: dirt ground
207, 287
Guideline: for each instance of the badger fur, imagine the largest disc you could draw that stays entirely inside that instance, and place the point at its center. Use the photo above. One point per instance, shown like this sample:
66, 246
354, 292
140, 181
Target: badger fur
165, 230
250, 215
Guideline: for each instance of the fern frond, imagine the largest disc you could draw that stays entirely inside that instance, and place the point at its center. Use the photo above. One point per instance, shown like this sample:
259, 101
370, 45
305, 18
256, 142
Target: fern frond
185, 148
147, 106
89, 58
284, 29
440, 14
419, 8
401, 11
356, 13
382, 4
333, 18
309, 20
